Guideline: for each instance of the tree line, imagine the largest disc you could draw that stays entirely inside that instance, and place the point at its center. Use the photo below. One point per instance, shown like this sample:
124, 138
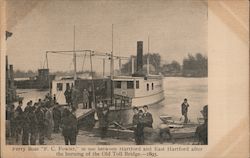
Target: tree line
30, 73
191, 66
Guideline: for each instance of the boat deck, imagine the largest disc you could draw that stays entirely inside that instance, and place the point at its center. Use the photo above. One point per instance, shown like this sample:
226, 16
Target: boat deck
81, 113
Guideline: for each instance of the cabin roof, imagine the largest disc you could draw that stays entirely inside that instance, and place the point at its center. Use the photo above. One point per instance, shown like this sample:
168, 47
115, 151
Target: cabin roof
131, 78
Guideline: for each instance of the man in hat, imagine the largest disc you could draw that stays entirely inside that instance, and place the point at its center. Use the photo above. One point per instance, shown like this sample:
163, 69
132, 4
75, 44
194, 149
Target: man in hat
18, 115
67, 95
138, 126
148, 118
26, 125
201, 131
69, 126
40, 115
48, 121
33, 125
102, 113
184, 110
85, 99
56, 117
74, 97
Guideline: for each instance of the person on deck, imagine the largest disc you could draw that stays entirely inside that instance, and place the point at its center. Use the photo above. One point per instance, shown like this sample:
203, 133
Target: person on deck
69, 126
54, 99
184, 110
74, 97
18, 116
90, 98
148, 118
67, 95
85, 99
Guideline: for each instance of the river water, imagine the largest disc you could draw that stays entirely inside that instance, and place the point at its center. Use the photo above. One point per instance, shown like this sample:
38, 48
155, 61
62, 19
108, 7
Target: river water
176, 89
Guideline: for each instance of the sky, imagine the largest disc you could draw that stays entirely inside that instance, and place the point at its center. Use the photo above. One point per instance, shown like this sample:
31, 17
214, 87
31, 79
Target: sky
176, 28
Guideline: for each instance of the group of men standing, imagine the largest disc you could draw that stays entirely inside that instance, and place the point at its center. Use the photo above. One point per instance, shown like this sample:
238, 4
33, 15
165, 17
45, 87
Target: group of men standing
34, 122
141, 119
72, 96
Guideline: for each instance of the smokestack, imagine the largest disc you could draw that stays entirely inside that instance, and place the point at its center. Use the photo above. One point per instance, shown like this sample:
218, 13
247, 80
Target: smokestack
139, 57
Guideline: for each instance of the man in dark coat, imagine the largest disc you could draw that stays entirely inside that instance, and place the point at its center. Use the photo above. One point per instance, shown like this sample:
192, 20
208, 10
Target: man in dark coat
57, 118
48, 121
40, 115
184, 110
33, 125
67, 95
74, 97
138, 123
85, 99
69, 127
140, 127
18, 120
148, 118
201, 131
102, 113
28, 106
26, 126
12, 120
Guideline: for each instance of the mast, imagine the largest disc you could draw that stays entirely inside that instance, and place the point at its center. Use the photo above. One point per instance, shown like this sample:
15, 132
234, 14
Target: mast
103, 70
112, 67
92, 79
74, 54
111, 59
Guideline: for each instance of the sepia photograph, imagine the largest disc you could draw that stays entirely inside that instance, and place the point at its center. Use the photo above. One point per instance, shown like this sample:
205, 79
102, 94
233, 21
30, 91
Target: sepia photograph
106, 72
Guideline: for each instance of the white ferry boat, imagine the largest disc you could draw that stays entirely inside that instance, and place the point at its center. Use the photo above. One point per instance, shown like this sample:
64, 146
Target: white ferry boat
142, 89
146, 90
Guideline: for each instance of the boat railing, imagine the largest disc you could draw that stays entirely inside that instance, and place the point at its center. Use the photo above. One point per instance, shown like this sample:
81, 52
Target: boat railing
119, 102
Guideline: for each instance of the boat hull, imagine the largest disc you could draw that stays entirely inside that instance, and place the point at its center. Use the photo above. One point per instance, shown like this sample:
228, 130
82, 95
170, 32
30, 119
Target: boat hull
148, 99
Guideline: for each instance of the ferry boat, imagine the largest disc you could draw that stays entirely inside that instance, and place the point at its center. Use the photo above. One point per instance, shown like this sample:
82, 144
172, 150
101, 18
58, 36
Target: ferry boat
141, 89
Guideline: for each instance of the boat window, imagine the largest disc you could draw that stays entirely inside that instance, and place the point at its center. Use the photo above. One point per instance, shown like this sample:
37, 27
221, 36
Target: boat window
152, 86
130, 84
118, 84
137, 85
59, 86
147, 87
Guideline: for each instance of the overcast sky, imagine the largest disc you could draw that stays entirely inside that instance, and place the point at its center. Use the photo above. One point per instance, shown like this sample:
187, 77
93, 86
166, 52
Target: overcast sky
175, 27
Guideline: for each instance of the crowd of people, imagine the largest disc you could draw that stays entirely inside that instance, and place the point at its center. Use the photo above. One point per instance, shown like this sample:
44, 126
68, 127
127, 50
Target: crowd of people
37, 121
